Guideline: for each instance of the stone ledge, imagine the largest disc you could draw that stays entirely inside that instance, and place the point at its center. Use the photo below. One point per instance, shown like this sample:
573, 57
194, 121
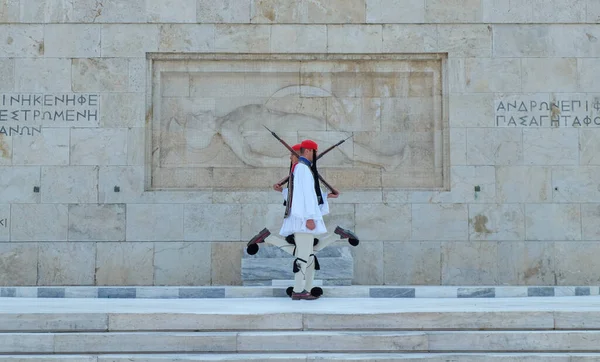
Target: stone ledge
277, 289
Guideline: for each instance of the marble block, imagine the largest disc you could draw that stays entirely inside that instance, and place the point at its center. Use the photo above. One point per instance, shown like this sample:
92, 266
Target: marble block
271, 263
18, 264
66, 263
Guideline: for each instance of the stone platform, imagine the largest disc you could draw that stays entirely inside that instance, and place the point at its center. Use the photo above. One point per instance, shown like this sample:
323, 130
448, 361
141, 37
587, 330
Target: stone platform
277, 289
276, 329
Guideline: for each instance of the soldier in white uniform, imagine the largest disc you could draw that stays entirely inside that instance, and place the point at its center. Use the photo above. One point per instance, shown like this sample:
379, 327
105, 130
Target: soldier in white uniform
303, 220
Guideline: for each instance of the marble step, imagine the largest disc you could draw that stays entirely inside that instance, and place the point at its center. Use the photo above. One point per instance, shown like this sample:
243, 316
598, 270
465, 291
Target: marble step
287, 320
309, 357
288, 342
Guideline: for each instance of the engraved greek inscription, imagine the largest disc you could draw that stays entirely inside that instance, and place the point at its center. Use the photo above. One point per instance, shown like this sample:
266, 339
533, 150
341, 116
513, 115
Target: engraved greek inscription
24, 113
584, 113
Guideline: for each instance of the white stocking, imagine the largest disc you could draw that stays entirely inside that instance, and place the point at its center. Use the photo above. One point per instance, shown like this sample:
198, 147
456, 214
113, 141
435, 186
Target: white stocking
329, 239
280, 243
304, 245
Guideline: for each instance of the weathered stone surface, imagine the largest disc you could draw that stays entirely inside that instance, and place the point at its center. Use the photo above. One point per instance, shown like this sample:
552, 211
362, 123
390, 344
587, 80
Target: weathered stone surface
171, 11
99, 146
179, 263
482, 75
18, 263
49, 147
6, 150
21, 40
186, 38
83, 40
411, 262
465, 180
409, 38
575, 263
303, 11
97, 222
500, 11
109, 11
136, 138
335, 11
255, 217
70, 184
226, 11
465, 40
39, 222
471, 110
552, 222
556, 11
17, 183
129, 40
369, 267
395, 11
299, 39
540, 145
250, 38
526, 263
487, 146
66, 263
129, 180
496, 222
43, 75
27, 343
226, 263
100, 75
593, 12
439, 222
154, 222
9, 11
589, 147
124, 263
576, 184
458, 146
7, 73
383, 222
453, 11
590, 221
137, 74
47, 11
212, 222
550, 41
563, 70
469, 263
523, 184
354, 38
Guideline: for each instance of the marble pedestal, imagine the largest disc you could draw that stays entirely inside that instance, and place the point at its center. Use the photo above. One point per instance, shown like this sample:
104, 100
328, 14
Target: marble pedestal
272, 264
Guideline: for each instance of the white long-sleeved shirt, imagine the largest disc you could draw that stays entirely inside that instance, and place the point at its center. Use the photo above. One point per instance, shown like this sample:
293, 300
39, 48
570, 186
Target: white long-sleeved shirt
305, 205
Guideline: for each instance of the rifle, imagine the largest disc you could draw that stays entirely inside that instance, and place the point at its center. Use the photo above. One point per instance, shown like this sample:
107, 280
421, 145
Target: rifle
286, 179
333, 190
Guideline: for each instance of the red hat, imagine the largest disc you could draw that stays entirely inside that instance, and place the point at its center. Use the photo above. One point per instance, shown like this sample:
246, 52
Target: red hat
296, 147
309, 145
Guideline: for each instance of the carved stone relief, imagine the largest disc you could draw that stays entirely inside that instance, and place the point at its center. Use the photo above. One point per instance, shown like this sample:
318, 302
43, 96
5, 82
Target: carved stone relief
207, 114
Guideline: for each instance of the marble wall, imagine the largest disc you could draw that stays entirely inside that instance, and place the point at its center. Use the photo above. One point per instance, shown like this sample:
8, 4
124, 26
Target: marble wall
96, 187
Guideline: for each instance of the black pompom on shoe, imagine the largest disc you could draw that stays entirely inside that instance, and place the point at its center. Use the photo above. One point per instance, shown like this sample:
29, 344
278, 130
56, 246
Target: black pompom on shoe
315, 242
290, 239
252, 249
353, 242
289, 291
316, 291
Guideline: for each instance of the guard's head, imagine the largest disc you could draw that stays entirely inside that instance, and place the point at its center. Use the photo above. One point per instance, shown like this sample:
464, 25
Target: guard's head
308, 149
293, 157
